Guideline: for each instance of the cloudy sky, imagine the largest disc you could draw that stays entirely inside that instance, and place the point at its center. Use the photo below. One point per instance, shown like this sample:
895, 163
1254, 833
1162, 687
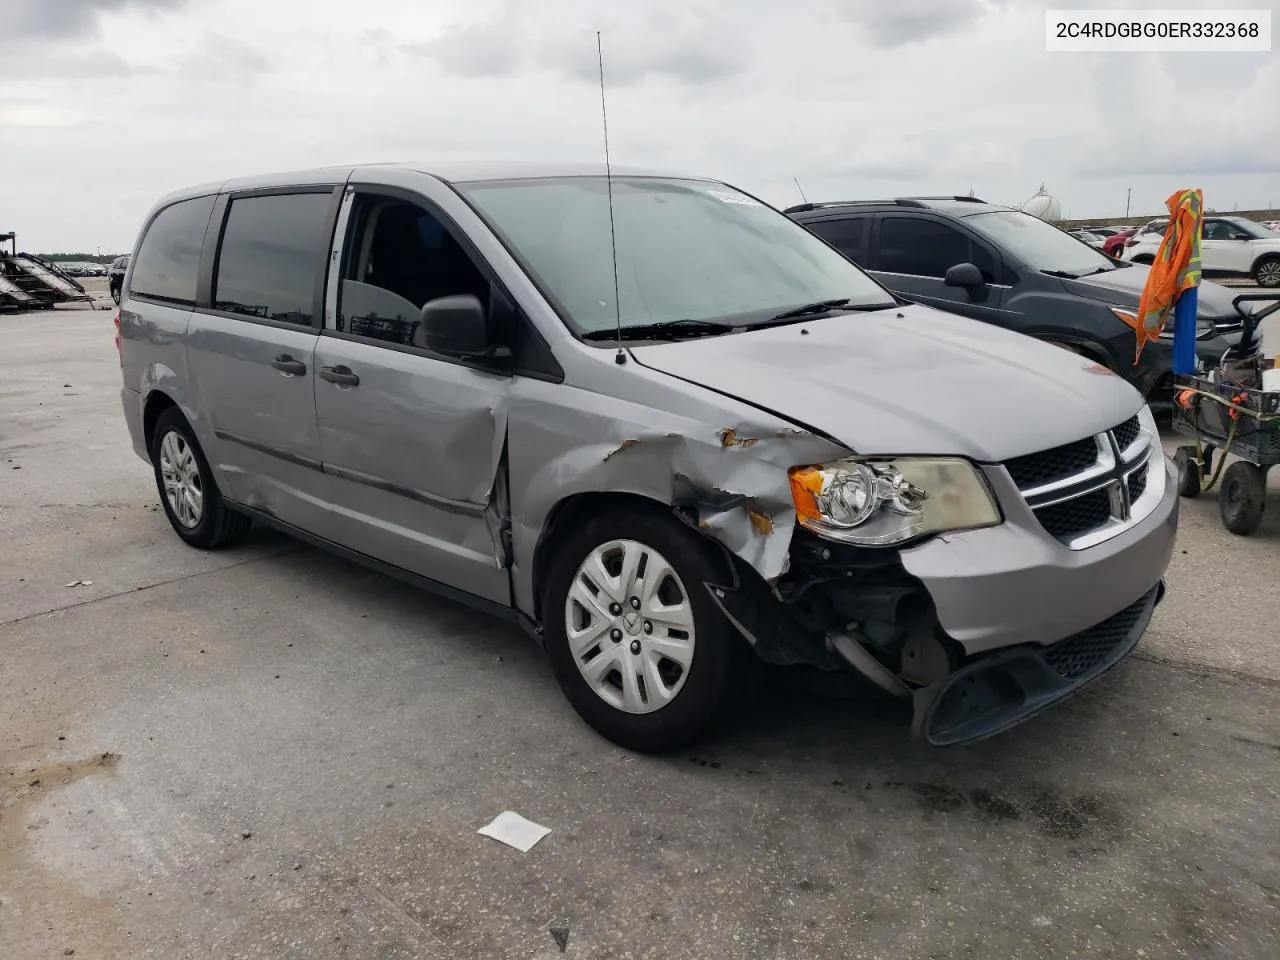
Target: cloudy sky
106, 104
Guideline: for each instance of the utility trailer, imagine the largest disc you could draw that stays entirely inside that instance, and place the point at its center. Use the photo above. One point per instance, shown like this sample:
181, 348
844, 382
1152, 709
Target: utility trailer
28, 282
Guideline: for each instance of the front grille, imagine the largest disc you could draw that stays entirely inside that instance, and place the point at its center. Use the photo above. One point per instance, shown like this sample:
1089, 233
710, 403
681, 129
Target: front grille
1049, 466
1076, 517
1090, 474
1127, 433
1138, 483
1079, 655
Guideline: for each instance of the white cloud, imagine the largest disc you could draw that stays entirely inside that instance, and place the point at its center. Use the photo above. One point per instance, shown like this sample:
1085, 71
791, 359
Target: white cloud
105, 110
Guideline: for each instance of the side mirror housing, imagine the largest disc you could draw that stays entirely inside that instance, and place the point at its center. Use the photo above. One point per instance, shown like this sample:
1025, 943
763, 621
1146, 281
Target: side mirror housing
456, 326
964, 275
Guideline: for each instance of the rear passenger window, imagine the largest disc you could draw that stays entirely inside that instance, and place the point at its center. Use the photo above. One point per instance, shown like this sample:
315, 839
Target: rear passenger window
271, 254
849, 236
168, 261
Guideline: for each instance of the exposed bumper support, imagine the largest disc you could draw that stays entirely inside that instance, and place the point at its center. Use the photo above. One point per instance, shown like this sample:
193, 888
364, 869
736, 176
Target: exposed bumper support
1004, 689
862, 661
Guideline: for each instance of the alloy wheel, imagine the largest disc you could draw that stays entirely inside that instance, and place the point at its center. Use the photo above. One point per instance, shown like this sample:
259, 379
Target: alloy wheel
181, 476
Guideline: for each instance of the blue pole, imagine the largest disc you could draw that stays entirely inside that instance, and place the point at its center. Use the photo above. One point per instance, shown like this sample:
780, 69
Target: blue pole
1184, 331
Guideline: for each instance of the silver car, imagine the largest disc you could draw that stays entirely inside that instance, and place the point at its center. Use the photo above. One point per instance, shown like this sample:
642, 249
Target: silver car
655, 422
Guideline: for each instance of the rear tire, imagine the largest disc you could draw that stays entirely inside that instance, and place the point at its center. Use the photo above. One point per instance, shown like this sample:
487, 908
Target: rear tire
188, 493
1243, 498
607, 637
1266, 272
115, 295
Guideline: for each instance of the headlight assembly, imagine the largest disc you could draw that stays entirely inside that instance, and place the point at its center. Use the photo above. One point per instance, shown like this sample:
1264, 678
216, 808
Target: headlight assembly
881, 502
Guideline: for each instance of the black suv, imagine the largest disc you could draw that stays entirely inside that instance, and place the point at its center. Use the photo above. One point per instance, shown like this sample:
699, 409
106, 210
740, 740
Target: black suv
1009, 268
115, 276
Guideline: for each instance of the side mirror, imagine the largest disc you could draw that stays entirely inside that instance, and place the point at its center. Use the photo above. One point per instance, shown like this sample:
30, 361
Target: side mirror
456, 326
964, 275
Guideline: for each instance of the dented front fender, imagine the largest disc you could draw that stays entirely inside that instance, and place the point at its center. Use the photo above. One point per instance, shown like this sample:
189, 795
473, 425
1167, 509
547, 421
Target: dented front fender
719, 459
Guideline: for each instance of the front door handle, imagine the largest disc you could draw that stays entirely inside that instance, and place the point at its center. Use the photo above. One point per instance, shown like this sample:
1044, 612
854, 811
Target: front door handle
286, 364
340, 375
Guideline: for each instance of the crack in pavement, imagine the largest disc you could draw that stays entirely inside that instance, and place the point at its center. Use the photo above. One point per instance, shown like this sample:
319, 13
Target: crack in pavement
148, 586
1200, 669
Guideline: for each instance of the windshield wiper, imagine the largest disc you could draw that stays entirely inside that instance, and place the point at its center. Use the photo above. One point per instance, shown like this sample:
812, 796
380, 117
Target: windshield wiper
663, 330
823, 306
1061, 273
818, 306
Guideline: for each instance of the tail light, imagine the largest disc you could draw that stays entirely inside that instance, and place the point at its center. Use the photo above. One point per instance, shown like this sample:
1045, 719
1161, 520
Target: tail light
116, 321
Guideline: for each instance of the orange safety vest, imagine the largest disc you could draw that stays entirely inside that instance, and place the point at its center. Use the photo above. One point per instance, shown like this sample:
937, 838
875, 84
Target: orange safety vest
1176, 267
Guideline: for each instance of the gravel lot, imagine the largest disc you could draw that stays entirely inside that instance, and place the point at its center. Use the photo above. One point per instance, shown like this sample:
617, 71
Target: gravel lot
268, 752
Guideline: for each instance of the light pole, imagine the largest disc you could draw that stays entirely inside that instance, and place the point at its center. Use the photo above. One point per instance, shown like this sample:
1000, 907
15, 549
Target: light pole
1127, 197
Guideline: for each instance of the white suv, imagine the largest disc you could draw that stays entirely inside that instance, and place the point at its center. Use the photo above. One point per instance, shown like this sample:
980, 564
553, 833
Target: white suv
1229, 247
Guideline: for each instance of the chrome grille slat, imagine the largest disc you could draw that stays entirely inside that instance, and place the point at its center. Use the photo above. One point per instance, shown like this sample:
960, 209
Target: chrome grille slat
1082, 498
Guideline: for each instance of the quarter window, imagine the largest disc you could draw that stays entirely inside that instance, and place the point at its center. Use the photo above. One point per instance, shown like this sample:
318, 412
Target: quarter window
271, 253
168, 260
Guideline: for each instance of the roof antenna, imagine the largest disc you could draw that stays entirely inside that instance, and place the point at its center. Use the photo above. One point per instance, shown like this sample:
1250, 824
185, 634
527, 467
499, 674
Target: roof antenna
801, 189
621, 356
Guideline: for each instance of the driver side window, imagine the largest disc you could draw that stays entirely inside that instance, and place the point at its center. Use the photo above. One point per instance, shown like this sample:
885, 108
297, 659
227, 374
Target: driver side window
926, 248
400, 256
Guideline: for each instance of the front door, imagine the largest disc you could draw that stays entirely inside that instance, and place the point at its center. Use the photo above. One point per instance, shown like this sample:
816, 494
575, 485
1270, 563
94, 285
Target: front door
251, 350
1225, 248
412, 442
912, 256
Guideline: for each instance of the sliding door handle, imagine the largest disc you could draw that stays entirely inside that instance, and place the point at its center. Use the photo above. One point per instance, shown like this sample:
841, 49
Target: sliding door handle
340, 375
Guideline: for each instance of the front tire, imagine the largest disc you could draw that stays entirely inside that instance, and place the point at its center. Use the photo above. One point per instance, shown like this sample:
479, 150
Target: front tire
1266, 272
636, 642
190, 497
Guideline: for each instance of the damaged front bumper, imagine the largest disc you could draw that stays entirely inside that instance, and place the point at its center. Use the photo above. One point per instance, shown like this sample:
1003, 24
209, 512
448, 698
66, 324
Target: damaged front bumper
981, 630
1002, 690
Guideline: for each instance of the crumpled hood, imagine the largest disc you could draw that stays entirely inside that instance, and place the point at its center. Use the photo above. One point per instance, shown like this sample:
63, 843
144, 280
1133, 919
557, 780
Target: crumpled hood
910, 380
1123, 288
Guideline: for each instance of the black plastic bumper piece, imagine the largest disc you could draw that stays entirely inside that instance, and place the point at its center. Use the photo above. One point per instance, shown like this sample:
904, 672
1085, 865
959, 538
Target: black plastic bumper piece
1001, 691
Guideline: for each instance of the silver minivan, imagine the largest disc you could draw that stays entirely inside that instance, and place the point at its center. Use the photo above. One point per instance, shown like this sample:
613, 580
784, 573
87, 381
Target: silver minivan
654, 421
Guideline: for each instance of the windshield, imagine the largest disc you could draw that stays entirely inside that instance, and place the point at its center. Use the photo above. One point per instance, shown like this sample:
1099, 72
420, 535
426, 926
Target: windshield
688, 250
1040, 245
1256, 230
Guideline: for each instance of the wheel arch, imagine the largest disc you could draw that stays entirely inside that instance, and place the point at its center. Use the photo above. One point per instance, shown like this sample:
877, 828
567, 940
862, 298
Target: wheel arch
156, 403
1263, 258
576, 508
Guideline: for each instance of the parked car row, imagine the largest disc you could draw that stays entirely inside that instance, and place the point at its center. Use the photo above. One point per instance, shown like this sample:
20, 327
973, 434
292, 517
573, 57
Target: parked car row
74, 268
666, 427
1229, 247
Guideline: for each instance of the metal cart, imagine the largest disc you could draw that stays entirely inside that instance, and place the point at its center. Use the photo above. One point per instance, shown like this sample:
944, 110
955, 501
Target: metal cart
1226, 412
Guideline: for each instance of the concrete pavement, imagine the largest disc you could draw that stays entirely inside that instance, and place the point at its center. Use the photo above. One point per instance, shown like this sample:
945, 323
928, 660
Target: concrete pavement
268, 752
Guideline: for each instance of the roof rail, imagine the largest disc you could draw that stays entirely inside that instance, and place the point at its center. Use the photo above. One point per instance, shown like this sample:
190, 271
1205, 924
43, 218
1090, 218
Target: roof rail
804, 207
900, 201
965, 199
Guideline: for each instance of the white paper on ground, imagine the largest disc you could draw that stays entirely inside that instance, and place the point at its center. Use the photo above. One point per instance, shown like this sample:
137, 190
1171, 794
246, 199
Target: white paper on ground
514, 830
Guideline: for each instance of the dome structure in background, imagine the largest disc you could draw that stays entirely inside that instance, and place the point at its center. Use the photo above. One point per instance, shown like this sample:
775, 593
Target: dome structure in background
1044, 206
